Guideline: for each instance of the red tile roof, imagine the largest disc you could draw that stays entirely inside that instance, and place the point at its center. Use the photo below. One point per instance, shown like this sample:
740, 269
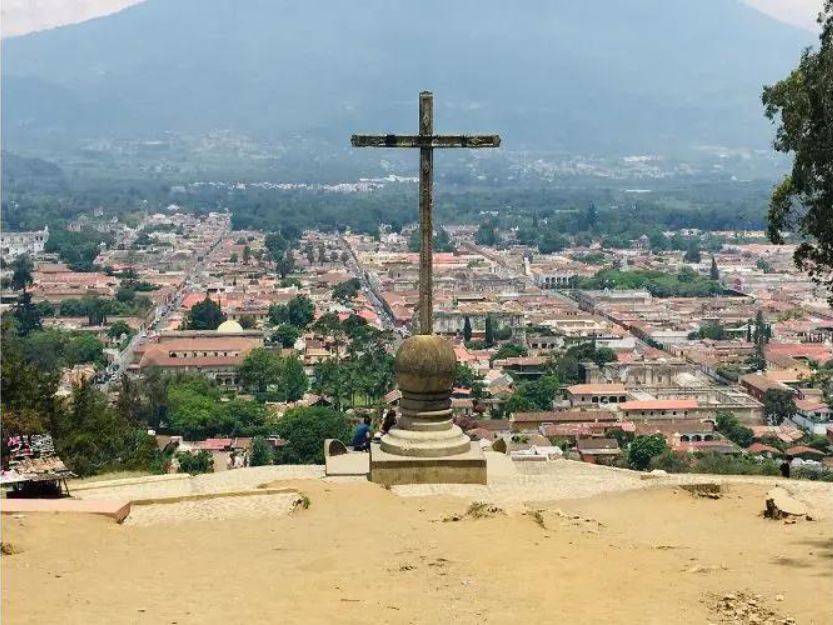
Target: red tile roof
799, 450
562, 416
760, 448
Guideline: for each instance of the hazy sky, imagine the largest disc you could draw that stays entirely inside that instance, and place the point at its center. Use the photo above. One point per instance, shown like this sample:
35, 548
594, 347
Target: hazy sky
19, 17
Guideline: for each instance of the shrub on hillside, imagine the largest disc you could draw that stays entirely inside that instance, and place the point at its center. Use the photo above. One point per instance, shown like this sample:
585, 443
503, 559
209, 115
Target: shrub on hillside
195, 462
306, 429
261, 452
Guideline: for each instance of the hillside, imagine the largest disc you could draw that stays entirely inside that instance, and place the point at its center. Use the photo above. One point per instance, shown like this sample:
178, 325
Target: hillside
599, 76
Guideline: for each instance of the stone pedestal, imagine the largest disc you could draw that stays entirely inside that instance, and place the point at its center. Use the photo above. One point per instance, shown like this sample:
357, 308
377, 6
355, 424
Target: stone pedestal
426, 447
468, 467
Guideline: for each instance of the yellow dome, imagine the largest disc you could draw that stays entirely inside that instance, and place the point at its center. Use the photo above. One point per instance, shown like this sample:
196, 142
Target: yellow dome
229, 327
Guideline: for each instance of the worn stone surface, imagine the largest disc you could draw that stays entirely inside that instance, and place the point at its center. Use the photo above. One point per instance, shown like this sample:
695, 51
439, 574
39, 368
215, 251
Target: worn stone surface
425, 364
393, 470
780, 504
424, 368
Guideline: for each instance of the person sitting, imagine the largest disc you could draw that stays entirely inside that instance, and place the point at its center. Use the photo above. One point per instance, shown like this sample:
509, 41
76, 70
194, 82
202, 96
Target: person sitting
785, 467
361, 438
389, 421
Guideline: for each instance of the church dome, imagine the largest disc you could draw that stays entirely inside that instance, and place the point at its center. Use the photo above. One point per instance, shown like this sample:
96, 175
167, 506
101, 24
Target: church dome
229, 327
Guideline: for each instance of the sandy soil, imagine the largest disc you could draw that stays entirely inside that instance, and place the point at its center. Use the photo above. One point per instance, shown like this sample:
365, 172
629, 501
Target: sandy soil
362, 554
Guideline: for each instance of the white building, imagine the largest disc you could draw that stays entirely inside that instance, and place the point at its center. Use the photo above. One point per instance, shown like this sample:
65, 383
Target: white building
14, 244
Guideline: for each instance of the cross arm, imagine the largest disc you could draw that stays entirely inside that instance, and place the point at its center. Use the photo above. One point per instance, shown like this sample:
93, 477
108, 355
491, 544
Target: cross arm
425, 141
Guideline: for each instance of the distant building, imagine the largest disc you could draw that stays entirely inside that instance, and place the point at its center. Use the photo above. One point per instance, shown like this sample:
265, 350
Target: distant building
814, 415
13, 244
216, 355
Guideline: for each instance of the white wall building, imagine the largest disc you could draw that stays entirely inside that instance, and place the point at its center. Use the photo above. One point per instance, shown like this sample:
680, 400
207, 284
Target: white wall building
13, 244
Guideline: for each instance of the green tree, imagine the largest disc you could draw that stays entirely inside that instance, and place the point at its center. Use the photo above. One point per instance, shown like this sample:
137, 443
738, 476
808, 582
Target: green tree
552, 241
247, 255
125, 295
466, 329
518, 402
119, 329
92, 437
658, 241
779, 405
26, 315
713, 330
278, 314
731, 428
466, 377
644, 448
195, 462
285, 264
486, 234
763, 265
28, 390
803, 202
332, 378
261, 452
247, 322
346, 291
46, 308
286, 334
510, 350
22, 268
309, 252
692, 254
96, 310
489, 337
205, 315
275, 244
82, 349
542, 392
192, 414
714, 272
293, 381
260, 369
306, 429
233, 258
300, 311
239, 417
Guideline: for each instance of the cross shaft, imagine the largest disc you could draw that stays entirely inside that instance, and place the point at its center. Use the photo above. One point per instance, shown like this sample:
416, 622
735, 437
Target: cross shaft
426, 141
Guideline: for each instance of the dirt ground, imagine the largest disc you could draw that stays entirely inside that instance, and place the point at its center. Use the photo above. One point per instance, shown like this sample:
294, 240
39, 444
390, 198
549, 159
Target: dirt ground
361, 554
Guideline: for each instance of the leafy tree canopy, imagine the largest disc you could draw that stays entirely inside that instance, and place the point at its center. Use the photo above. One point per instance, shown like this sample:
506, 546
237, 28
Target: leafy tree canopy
801, 105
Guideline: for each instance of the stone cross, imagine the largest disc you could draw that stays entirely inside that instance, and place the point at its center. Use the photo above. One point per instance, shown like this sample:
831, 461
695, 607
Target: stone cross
426, 141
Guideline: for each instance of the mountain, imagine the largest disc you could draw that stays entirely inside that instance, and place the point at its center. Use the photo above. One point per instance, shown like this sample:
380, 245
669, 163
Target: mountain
603, 76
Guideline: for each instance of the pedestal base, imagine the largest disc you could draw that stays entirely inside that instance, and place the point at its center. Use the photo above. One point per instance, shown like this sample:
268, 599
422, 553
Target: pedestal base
468, 467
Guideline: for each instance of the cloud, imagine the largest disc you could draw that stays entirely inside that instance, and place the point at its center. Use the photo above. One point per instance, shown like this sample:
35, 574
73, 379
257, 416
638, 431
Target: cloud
800, 13
19, 17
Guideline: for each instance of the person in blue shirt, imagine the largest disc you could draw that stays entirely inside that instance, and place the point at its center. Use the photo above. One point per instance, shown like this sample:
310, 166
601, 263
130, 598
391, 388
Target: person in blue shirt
362, 436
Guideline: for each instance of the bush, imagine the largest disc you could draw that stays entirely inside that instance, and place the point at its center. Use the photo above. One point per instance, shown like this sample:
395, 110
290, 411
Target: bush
730, 427
306, 429
672, 462
809, 472
719, 464
644, 448
261, 454
195, 462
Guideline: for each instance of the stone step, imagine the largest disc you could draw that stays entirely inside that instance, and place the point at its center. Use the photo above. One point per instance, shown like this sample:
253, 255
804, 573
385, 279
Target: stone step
114, 508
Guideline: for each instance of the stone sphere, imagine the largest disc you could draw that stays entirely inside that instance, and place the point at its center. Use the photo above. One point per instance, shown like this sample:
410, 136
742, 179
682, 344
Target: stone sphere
425, 364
